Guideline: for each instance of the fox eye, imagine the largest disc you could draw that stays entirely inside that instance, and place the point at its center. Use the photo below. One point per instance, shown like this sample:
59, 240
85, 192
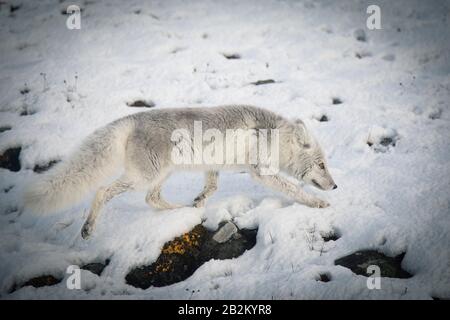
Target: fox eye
322, 166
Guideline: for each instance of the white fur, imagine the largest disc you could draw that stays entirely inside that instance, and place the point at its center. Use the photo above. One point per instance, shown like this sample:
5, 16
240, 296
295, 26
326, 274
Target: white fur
141, 145
97, 159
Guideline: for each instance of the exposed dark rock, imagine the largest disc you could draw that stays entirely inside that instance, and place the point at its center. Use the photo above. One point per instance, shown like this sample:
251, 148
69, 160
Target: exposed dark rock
261, 82
38, 282
5, 128
50, 280
359, 261
232, 56
141, 104
323, 118
336, 100
10, 159
39, 168
42, 281
95, 267
182, 256
332, 236
324, 277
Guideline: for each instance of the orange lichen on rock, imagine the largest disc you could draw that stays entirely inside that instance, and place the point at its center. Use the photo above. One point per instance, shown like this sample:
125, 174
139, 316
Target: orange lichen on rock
164, 267
180, 257
184, 243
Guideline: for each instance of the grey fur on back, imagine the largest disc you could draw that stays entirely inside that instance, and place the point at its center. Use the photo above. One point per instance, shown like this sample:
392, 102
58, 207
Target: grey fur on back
222, 118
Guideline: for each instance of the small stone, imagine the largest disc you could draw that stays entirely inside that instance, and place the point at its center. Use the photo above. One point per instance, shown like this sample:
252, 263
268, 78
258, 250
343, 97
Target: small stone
225, 233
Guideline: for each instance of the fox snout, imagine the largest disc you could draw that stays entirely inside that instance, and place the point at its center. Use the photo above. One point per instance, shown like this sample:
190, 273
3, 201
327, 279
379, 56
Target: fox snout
323, 181
331, 185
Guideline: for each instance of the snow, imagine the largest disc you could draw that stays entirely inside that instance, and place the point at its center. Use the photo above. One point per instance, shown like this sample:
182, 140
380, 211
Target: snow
390, 198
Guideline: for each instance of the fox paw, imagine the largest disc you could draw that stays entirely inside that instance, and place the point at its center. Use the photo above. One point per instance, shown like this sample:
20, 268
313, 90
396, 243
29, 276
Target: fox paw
320, 204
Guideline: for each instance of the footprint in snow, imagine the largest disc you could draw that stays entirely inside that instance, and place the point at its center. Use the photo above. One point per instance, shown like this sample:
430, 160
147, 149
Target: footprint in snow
382, 139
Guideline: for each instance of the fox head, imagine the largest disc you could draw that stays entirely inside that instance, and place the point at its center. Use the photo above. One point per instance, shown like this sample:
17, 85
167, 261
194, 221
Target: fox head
306, 160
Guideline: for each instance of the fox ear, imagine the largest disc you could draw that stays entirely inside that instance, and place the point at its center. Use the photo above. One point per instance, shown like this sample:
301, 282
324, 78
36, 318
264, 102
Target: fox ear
301, 134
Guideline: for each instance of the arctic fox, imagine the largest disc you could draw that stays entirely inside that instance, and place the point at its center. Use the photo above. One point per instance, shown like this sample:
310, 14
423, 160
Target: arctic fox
144, 147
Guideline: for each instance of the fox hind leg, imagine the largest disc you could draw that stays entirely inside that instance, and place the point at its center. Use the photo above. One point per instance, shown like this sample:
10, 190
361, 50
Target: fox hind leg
210, 187
155, 200
102, 196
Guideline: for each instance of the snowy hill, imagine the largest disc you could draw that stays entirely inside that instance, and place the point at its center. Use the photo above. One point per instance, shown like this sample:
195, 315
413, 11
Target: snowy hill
377, 100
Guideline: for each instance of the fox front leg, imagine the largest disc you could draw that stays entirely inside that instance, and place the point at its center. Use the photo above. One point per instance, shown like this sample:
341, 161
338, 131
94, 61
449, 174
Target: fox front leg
309, 200
280, 184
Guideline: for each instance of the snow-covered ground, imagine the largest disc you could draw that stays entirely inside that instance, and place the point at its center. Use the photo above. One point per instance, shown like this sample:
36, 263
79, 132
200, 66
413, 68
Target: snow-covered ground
393, 199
